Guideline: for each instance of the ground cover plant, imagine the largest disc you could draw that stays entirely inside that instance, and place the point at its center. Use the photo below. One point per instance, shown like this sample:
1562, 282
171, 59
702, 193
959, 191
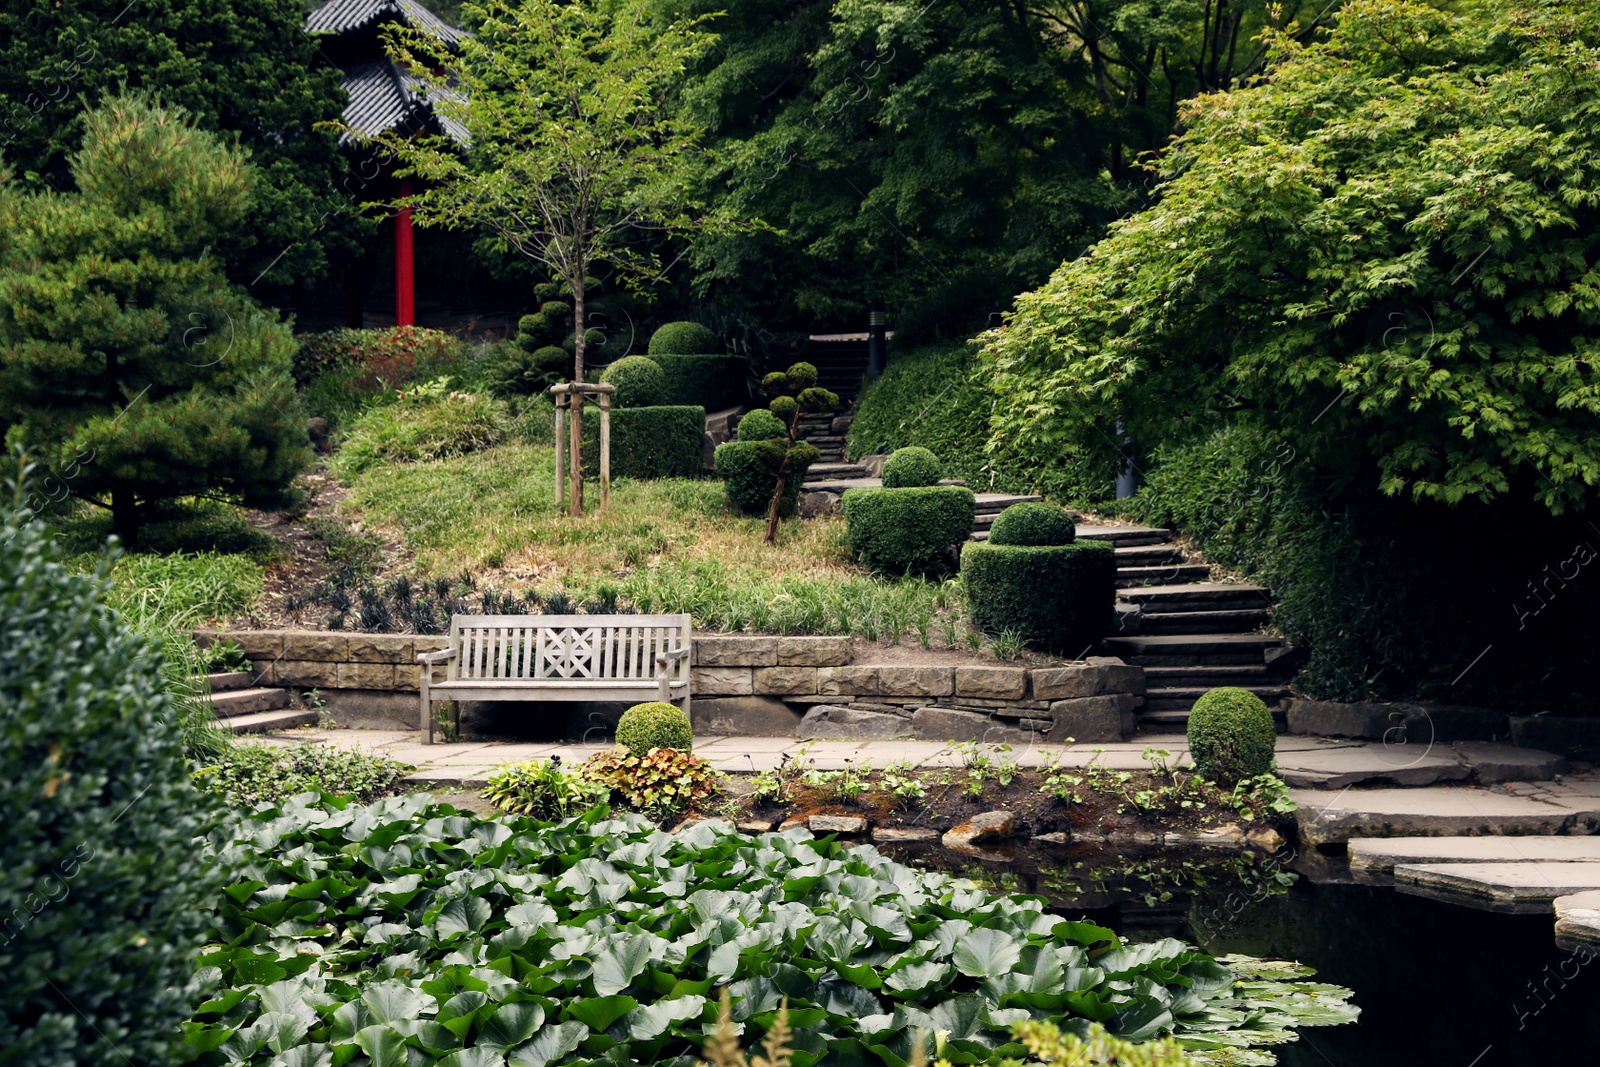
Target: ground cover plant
411, 933
250, 774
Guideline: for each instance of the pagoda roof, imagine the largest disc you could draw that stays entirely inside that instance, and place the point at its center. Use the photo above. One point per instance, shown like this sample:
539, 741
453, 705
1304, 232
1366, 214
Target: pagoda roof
348, 16
383, 97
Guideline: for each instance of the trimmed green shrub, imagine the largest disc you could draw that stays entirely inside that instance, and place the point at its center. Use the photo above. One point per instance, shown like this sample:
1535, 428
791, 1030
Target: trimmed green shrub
1231, 736
1057, 597
639, 382
104, 885
749, 470
682, 339
655, 724
510, 370
761, 425
653, 442
714, 382
896, 531
1033, 523
910, 467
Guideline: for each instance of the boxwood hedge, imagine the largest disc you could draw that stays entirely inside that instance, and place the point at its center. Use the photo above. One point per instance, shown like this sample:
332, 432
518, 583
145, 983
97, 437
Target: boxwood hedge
409, 933
678, 338
1057, 597
652, 442
896, 531
714, 382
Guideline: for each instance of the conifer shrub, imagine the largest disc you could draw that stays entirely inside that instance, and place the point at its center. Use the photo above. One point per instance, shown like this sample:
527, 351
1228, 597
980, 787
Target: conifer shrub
1231, 736
910, 467
101, 900
914, 530
654, 724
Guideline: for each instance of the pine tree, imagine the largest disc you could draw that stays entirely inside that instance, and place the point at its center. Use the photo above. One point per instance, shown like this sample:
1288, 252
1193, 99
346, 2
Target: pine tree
128, 364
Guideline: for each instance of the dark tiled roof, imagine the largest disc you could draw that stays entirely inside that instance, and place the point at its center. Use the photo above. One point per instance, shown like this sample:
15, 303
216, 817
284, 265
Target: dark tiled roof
384, 97
343, 16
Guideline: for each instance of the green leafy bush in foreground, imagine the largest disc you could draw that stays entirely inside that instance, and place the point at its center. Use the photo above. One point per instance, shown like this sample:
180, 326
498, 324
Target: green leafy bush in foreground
413, 934
654, 724
896, 531
255, 774
1231, 735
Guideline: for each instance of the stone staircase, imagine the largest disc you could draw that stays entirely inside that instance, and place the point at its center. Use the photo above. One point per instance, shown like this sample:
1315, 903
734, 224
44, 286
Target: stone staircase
1189, 633
827, 433
245, 708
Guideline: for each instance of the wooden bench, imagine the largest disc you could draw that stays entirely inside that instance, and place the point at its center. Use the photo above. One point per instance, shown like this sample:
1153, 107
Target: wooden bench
560, 657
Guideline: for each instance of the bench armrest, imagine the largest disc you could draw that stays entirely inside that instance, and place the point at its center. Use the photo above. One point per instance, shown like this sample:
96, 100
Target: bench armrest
674, 655
438, 657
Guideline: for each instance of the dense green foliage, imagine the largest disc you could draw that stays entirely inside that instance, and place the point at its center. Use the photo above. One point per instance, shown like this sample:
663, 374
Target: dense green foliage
428, 425
933, 398
1231, 736
512, 370
544, 789
380, 358
749, 469
439, 937
910, 467
1055, 597
913, 530
248, 775
135, 371
760, 425
713, 382
639, 382
683, 339
662, 783
653, 442
1385, 252
243, 68
1033, 522
654, 725
99, 901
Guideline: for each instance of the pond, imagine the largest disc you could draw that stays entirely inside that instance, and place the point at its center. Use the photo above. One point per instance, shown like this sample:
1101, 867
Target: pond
1438, 983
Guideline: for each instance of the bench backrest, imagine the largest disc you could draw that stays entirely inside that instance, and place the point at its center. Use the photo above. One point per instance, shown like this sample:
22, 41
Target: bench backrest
573, 647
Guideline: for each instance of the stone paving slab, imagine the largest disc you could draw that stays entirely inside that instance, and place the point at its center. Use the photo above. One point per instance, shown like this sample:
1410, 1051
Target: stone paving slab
1516, 882
1382, 854
1438, 811
1578, 917
1336, 768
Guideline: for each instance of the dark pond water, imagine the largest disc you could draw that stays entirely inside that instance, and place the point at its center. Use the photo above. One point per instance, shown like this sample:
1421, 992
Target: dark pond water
1439, 984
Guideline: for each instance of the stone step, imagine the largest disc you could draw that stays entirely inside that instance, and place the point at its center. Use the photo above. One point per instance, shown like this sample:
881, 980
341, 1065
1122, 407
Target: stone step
1148, 555
1124, 535
819, 473
1163, 722
1182, 698
1171, 573
1204, 593
1533, 884
1245, 674
1179, 623
1381, 854
1194, 645
262, 722
995, 503
245, 701
226, 680
1441, 811
1346, 767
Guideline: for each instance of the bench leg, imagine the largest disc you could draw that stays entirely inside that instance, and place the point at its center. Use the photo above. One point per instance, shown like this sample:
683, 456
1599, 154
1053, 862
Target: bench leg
684, 704
427, 708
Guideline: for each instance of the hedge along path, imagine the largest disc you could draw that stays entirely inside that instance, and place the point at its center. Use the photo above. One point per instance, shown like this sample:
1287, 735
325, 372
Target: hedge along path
419, 935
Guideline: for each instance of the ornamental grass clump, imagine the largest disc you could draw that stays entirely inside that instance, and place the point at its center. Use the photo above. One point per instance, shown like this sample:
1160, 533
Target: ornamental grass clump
1231, 736
1033, 579
655, 724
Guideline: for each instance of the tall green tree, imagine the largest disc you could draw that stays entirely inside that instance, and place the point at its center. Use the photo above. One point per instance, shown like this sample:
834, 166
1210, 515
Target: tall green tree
129, 364
1386, 251
245, 68
574, 162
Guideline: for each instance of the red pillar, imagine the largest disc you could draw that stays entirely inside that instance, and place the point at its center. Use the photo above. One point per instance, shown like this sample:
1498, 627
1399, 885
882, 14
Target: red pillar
405, 303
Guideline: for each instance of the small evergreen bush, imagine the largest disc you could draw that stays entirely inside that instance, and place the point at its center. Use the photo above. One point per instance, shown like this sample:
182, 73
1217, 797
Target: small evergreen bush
650, 442
1033, 523
683, 339
1231, 736
655, 724
715, 382
101, 899
910, 467
639, 382
511, 370
896, 531
749, 471
761, 425
1058, 597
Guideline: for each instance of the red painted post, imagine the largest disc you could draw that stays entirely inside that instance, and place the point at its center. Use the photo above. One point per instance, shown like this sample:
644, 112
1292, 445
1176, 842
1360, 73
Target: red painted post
405, 303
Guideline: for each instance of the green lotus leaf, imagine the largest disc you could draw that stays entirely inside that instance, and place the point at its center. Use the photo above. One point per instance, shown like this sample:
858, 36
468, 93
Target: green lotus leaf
549, 1045
986, 952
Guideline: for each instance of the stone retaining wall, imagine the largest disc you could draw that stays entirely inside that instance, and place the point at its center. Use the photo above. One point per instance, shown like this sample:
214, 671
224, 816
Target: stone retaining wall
767, 686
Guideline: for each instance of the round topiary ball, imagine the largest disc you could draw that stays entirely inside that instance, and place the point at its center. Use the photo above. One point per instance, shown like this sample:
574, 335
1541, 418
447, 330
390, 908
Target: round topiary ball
1033, 523
683, 339
761, 425
1231, 736
907, 468
639, 382
654, 725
